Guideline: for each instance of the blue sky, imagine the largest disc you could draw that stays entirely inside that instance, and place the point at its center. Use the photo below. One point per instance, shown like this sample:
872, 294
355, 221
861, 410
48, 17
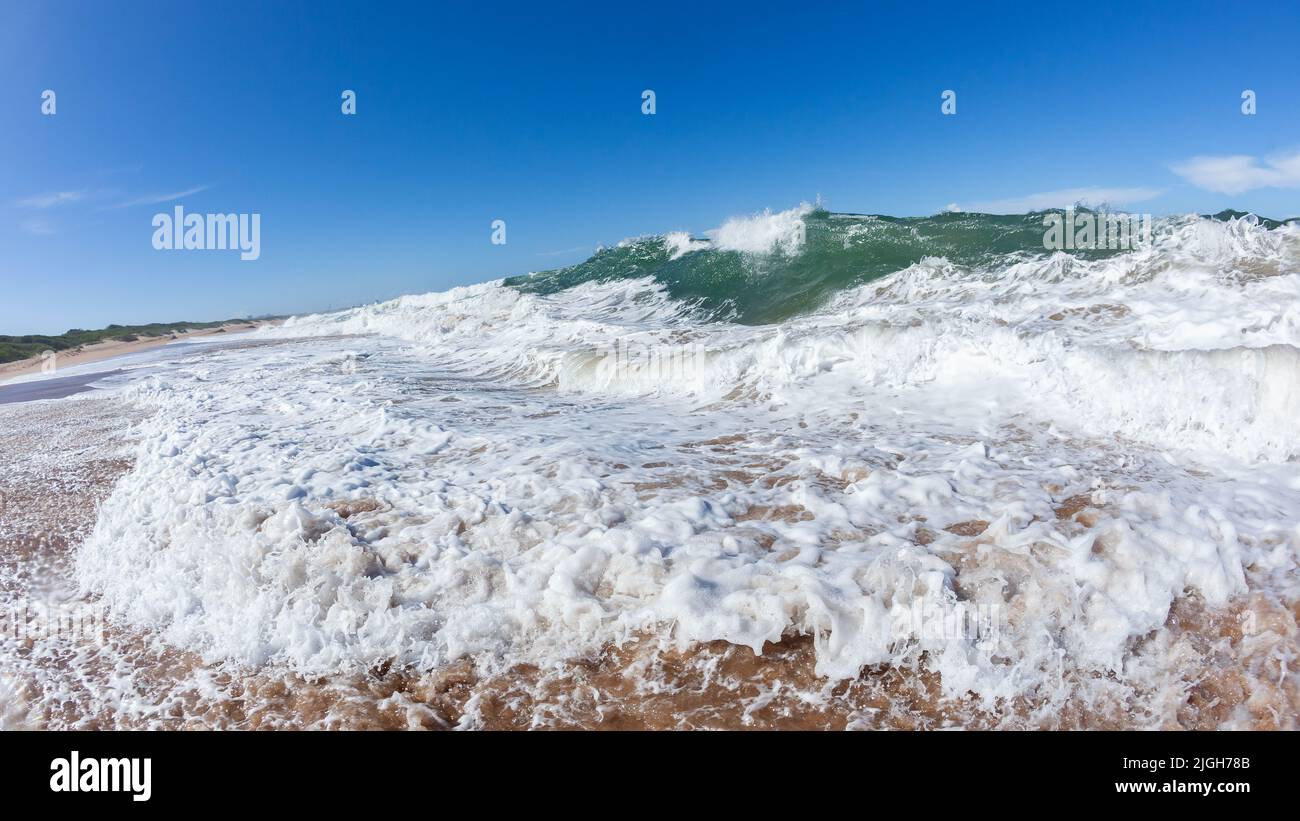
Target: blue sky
468, 113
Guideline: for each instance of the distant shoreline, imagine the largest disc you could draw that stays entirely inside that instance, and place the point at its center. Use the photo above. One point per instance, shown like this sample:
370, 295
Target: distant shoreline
108, 349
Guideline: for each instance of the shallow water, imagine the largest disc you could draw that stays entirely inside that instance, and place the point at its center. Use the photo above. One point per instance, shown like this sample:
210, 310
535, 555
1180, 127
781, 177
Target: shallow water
53, 388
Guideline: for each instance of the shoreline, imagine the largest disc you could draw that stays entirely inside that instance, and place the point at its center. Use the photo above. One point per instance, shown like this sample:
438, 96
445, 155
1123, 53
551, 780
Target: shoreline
109, 349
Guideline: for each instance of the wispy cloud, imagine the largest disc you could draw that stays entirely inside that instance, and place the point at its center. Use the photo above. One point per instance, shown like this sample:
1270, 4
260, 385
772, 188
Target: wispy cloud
1091, 197
158, 199
1239, 173
51, 199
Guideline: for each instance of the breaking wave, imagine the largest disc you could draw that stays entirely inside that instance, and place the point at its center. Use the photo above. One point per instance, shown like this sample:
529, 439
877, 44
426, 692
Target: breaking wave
802, 424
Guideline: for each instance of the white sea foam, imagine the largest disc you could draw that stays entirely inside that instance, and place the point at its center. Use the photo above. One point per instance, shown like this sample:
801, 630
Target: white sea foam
763, 233
550, 474
681, 243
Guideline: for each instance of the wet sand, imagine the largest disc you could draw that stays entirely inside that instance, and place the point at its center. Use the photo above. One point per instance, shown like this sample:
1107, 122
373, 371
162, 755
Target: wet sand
60, 460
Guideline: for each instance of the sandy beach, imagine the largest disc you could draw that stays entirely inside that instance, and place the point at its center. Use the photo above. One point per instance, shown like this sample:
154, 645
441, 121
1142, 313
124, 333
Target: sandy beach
113, 348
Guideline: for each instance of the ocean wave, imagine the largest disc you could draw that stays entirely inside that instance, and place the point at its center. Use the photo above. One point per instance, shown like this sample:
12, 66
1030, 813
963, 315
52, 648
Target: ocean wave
769, 432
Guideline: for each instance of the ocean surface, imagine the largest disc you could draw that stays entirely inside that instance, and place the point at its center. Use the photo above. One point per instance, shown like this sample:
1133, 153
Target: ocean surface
1008, 486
